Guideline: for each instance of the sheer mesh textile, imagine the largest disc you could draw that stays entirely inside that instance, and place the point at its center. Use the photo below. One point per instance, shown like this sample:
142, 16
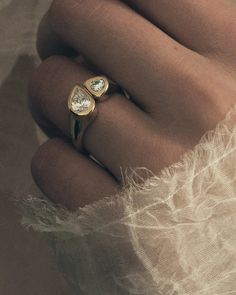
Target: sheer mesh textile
176, 234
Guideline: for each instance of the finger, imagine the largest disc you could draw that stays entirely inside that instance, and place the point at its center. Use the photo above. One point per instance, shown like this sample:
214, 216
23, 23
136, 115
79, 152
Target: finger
44, 123
69, 178
50, 129
120, 43
200, 25
49, 43
118, 126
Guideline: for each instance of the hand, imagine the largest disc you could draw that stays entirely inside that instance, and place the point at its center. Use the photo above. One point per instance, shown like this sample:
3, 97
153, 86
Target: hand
177, 59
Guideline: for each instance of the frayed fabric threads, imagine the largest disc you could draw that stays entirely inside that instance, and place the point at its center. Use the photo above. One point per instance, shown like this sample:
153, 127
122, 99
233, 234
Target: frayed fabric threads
174, 235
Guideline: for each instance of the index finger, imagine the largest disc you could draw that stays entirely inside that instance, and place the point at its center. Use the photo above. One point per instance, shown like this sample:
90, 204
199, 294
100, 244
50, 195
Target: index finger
49, 43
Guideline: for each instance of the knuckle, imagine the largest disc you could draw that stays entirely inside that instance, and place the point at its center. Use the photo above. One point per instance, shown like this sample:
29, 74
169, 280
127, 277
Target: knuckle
213, 95
43, 77
38, 162
41, 159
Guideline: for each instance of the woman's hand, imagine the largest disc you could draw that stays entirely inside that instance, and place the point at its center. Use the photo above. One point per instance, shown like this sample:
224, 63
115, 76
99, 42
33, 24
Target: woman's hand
176, 59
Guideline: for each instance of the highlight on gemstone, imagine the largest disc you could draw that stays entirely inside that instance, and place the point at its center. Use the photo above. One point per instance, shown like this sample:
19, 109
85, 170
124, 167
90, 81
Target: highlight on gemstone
80, 101
97, 85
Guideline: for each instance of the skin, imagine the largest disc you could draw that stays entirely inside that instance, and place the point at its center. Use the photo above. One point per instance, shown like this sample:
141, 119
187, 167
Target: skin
177, 60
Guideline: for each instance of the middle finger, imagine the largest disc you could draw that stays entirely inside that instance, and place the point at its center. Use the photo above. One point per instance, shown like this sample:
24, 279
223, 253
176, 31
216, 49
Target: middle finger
121, 43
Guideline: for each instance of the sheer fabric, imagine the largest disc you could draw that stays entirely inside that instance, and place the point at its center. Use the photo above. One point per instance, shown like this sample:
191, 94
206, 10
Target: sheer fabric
174, 235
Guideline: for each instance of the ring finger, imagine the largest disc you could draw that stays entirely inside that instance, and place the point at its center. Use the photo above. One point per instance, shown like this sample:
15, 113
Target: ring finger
121, 136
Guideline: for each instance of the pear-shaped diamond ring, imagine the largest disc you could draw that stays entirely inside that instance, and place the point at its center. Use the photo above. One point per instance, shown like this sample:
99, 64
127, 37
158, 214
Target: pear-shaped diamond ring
82, 104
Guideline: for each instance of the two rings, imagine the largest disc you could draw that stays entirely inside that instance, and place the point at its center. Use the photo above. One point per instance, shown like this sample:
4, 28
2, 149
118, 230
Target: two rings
82, 105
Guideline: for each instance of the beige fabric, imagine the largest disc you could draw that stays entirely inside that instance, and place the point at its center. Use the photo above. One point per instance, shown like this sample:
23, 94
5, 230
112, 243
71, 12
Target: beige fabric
174, 235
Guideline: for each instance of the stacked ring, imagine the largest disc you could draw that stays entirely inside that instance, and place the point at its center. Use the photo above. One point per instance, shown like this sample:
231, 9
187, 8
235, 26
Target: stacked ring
82, 105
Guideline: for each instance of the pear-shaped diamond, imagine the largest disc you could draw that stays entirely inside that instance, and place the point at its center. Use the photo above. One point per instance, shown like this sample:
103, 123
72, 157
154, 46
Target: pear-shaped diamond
97, 85
81, 101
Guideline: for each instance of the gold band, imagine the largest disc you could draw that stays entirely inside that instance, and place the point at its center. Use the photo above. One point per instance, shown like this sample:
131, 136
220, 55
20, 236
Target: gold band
82, 105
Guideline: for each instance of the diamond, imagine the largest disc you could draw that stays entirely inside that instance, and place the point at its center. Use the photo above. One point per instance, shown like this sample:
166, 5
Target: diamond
97, 85
81, 101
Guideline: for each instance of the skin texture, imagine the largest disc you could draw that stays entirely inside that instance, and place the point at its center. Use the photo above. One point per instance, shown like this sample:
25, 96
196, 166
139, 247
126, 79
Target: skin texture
173, 60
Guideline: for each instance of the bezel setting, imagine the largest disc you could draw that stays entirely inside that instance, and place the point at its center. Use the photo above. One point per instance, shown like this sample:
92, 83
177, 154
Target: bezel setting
97, 86
80, 101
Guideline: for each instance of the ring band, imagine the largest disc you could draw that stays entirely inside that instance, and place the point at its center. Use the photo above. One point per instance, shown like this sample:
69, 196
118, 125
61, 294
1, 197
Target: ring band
82, 105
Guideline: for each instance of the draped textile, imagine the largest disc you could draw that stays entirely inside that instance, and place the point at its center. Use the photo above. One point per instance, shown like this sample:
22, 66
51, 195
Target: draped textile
173, 235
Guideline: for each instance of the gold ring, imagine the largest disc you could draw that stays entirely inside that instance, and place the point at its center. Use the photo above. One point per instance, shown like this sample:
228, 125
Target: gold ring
82, 105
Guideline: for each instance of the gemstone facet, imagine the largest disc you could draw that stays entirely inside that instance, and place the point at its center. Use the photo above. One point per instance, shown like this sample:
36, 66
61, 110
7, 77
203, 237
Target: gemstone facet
81, 101
97, 85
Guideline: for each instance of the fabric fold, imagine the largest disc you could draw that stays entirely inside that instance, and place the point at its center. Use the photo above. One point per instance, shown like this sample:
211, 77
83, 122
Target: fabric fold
173, 235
